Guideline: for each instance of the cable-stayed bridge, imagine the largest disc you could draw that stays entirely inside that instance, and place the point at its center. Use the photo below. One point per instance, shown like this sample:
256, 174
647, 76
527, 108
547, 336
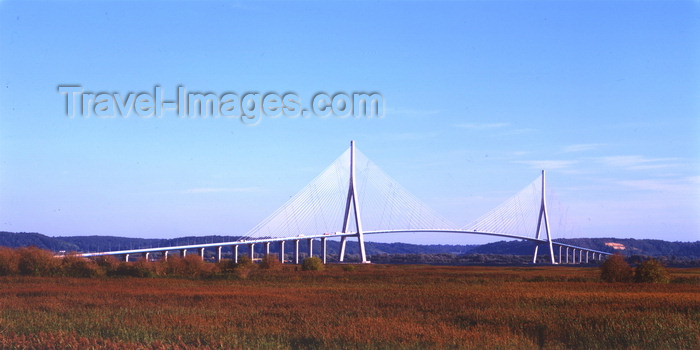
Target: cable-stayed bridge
353, 198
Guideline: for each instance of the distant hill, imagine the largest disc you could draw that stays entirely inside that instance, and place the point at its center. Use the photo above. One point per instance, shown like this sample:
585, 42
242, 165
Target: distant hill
108, 243
23, 239
626, 246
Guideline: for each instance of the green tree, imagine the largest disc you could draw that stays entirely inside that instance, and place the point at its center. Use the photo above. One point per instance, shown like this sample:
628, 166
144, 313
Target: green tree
616, 269
313, 263
651, 271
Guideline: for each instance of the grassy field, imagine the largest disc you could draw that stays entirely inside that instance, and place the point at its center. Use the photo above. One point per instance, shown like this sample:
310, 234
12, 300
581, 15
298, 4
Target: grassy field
370, 306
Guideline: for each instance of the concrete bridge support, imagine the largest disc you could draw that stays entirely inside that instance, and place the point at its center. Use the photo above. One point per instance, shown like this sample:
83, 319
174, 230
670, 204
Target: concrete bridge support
146, 255
235, 253
183, 253
218, 253
296, 249
325, 250
282, 251
267, 248
165, 255
560, 255
201, 253
126, 257
252, 251
311, 247
567, 256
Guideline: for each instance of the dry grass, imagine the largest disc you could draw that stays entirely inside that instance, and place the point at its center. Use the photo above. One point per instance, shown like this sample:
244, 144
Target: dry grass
371, 306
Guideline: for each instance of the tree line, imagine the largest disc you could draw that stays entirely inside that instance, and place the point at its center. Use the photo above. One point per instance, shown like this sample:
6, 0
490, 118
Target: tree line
33, 261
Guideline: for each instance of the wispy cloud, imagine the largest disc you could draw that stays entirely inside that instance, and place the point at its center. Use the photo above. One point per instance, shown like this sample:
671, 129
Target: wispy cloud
409, 111
683, 185
203, 190
497, 129
637, 162
581, 147
517, 131
481, 126
548, 164
410, 136
520, 153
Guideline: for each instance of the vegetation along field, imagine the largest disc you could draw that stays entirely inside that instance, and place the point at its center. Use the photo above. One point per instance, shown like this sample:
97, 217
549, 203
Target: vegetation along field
353, 306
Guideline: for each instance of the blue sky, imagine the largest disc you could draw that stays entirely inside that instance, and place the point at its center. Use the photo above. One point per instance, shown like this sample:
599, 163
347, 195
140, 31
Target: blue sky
479, 97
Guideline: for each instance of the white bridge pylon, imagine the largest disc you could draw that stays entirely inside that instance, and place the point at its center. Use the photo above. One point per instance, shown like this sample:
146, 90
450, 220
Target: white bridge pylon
370, 202
355, 189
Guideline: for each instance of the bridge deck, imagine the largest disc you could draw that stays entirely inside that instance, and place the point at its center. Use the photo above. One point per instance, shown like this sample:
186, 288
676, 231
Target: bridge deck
333, 235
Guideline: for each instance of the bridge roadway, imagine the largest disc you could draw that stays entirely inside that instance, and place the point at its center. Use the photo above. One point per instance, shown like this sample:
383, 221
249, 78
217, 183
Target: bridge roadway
145, 252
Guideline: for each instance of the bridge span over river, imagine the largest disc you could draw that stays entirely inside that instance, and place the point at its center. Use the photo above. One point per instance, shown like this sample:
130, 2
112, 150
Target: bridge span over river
371, 203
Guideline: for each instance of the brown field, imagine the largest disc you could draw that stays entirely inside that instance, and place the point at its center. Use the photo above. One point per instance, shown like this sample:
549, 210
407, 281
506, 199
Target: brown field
370, 306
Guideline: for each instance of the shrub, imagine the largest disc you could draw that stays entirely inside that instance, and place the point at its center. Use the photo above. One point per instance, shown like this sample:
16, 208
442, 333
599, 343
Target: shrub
244, 267
125, 269
190, 266
313, 263
348, 268
245, 261
108, 264
9, 262
270, 262
145, 268
615, 269
226, 266
37, 262
140, 268
77, 266
651, 271
242, 272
